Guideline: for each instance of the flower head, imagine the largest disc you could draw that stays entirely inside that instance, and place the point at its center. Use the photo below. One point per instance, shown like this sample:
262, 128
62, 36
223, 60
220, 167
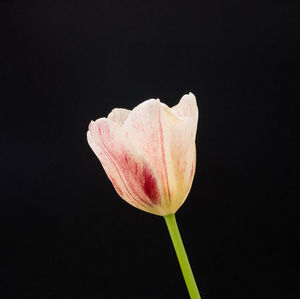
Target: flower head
149, 153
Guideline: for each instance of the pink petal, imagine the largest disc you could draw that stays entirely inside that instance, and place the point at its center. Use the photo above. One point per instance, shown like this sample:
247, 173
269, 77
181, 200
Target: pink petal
132, 176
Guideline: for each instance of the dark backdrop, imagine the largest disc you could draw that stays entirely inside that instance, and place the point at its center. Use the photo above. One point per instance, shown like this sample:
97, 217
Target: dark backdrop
64, 231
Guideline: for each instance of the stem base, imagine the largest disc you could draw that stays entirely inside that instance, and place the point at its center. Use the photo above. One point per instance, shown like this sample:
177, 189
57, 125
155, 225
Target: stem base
182, 257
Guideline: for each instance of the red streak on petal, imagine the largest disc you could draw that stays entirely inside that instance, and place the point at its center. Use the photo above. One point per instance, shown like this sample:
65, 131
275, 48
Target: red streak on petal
126, 158
136, 176
115, 162
150, 187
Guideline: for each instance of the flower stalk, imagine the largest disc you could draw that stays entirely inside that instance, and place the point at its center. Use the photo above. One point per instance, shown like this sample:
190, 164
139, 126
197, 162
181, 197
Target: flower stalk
182, 257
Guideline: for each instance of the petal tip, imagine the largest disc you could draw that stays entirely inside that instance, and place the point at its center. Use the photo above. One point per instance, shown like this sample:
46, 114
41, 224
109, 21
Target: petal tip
191, 94
90, 125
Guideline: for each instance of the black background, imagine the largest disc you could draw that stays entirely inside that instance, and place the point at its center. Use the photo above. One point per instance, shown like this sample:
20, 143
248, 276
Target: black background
64, 231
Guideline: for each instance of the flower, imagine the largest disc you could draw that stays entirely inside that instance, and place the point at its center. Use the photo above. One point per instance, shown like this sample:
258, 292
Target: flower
149, 153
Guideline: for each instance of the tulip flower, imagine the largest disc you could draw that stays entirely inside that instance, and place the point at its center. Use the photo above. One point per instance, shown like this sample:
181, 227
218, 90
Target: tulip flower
149, 155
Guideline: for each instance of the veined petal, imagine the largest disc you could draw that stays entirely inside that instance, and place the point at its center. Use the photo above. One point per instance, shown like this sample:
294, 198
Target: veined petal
167, 141
118, 115
132, 176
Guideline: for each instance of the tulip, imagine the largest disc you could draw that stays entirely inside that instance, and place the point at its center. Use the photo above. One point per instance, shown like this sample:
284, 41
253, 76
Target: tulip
149, 155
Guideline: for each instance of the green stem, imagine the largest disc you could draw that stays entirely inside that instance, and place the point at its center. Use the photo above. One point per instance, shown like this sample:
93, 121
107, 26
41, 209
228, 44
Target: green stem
182, 257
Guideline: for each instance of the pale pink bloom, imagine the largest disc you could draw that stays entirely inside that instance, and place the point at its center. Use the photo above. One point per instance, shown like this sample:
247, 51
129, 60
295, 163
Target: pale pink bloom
149, 153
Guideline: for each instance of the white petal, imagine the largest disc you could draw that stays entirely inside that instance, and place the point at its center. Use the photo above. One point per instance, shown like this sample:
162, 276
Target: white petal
187, 107
118, 115
180, 155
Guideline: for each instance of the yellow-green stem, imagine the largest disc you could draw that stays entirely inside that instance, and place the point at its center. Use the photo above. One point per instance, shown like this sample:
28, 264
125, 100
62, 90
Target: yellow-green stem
182, 257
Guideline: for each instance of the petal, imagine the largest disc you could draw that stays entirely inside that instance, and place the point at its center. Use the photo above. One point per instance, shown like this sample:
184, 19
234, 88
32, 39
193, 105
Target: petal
180, 151
167, 142
118, 115
133, 178
187, 107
